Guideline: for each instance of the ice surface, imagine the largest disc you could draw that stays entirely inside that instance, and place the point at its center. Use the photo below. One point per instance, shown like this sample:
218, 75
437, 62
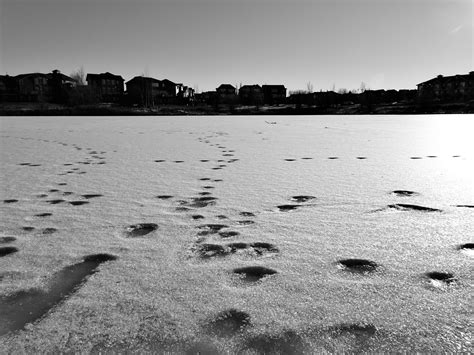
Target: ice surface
340, 171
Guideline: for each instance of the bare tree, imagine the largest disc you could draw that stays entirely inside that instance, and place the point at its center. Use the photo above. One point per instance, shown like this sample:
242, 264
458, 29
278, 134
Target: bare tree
80, 76
363, 87
309, 87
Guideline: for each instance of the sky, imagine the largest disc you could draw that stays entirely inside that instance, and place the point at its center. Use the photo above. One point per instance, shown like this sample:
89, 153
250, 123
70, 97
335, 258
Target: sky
332, 44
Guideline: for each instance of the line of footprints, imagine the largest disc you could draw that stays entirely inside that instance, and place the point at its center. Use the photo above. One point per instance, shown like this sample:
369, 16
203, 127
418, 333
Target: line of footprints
212, 241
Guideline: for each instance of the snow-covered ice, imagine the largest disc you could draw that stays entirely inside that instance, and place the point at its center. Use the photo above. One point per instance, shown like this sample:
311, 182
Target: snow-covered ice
338, 234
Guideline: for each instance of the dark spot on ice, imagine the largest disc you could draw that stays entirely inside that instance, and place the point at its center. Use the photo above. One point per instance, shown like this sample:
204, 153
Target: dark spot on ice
205, 179
5, 240
24, 164
212, 250
4, 251
262, 247
62, 183
287, 343
247, 214
53, 190
46, 214
49, 230
358, 265
408, 207
221, 216
289, 159
465, 206
456, 156
286, 208
404, 193
466, 246
205, 193
89, 196
302, 198
361, 158
178, 161
197, 216
228, 234
42, 195
416, 158
332, 158
217, 180
216, 168
10, 201
254, 273
431, 156
25, 307
200, 202
55, 202
208, 187
204, 160
139, 230
228, 322
28, 229
99, 258
78, 203
306, 158
238, 245
445, 277
245, 222
164, 197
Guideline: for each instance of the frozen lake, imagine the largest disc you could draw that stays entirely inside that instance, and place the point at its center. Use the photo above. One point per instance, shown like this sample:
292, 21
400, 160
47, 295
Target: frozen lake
296, 199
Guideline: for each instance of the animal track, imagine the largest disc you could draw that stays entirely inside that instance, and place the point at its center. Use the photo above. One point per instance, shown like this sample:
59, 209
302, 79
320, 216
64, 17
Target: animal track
139, 230
358, 265
46, 214
5, 240
302, 198
251, 274
441, 277
404, 193
78, 203
286, 208
4, 251
228, 323
408, 207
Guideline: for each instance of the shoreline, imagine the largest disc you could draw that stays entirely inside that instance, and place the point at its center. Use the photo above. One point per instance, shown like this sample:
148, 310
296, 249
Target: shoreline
42, 109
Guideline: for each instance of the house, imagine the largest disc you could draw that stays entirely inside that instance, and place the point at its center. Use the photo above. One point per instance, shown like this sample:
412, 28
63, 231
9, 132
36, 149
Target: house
227, 94
33, 87
186, 94
106, 86
274, 94
455, 88
40, 87
169, 91
144, 91
251, 95
8, 88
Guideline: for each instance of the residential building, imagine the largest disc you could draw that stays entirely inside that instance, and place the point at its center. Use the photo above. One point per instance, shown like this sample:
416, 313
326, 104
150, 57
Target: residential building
227, 94
251, 95
455, 88
106, 86
274, 94
144, 91
33, 87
